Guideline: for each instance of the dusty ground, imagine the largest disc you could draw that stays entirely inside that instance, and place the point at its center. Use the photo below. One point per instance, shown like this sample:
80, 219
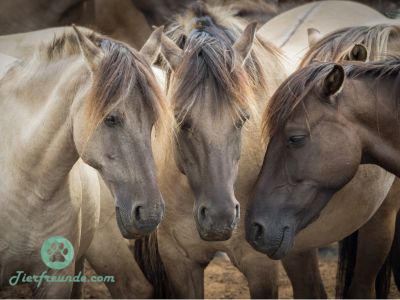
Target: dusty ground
223, 280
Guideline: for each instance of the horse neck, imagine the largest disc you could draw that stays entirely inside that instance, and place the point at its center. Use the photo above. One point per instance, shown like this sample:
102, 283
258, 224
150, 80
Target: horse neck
40, 147
378, 124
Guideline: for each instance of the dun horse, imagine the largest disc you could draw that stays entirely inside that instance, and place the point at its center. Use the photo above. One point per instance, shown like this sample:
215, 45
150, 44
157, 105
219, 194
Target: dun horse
98, 101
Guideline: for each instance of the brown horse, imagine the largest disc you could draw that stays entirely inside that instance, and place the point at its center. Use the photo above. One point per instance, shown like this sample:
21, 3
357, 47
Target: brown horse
364, 252
317, 108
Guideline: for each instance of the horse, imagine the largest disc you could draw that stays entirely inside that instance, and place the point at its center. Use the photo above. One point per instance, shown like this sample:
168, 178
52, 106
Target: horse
115, 259
364, 252
212, 63
71, 127
288, 31
316, 108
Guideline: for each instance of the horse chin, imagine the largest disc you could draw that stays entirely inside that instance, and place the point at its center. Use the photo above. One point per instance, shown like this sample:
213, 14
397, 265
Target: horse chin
126, 233
214, 236
279, 248
285, 246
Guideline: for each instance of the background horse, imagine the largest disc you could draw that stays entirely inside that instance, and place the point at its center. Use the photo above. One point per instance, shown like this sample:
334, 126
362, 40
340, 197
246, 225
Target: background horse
288, 31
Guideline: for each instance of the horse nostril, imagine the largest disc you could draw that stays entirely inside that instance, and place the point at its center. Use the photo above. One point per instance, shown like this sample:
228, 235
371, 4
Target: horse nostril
203, 213
237, 211
258, 231
138, 216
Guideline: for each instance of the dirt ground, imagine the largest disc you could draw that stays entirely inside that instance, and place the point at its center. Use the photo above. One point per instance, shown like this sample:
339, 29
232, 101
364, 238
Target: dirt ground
223, 280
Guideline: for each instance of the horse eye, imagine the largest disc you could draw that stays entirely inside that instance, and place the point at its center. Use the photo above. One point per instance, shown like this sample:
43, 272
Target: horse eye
112, 120
186, 125
296, 140
239, 123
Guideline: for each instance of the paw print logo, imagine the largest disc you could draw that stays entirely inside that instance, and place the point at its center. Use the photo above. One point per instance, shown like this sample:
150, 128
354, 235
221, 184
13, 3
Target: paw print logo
57, 252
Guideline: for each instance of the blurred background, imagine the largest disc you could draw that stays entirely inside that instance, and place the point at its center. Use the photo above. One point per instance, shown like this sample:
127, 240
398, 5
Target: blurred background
132, 20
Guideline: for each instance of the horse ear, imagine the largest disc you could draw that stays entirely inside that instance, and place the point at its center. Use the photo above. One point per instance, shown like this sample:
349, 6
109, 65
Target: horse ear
314, 35
151, 48
333, 82
171, 52
91, 52
244, 43
359, 53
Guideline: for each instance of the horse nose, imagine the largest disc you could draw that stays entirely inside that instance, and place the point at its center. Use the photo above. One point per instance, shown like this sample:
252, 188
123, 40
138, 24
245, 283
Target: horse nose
217, 223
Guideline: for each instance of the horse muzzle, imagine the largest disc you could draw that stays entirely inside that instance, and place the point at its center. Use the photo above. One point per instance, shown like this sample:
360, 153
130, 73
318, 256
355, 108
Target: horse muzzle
274, 241
217, 225
138, 221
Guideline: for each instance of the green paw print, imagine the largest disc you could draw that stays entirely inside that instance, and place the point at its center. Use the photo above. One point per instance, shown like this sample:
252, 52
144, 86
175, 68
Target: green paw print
57, 252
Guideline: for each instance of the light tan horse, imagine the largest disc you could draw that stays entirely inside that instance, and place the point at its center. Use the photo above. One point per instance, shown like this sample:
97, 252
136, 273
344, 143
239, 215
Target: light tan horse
373, 241
77, 113
106, 259
288, 31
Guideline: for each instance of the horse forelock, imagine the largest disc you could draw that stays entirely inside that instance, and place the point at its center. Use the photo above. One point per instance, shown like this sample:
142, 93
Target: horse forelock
121, 72
207, 34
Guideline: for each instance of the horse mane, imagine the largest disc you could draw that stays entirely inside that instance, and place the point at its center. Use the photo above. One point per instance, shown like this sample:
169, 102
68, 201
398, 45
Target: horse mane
335, 46
207, 34
121, 71
293, 90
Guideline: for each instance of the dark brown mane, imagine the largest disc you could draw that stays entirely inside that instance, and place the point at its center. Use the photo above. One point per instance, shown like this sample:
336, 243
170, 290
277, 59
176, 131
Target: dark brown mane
209, 63
335, 46
293, 90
